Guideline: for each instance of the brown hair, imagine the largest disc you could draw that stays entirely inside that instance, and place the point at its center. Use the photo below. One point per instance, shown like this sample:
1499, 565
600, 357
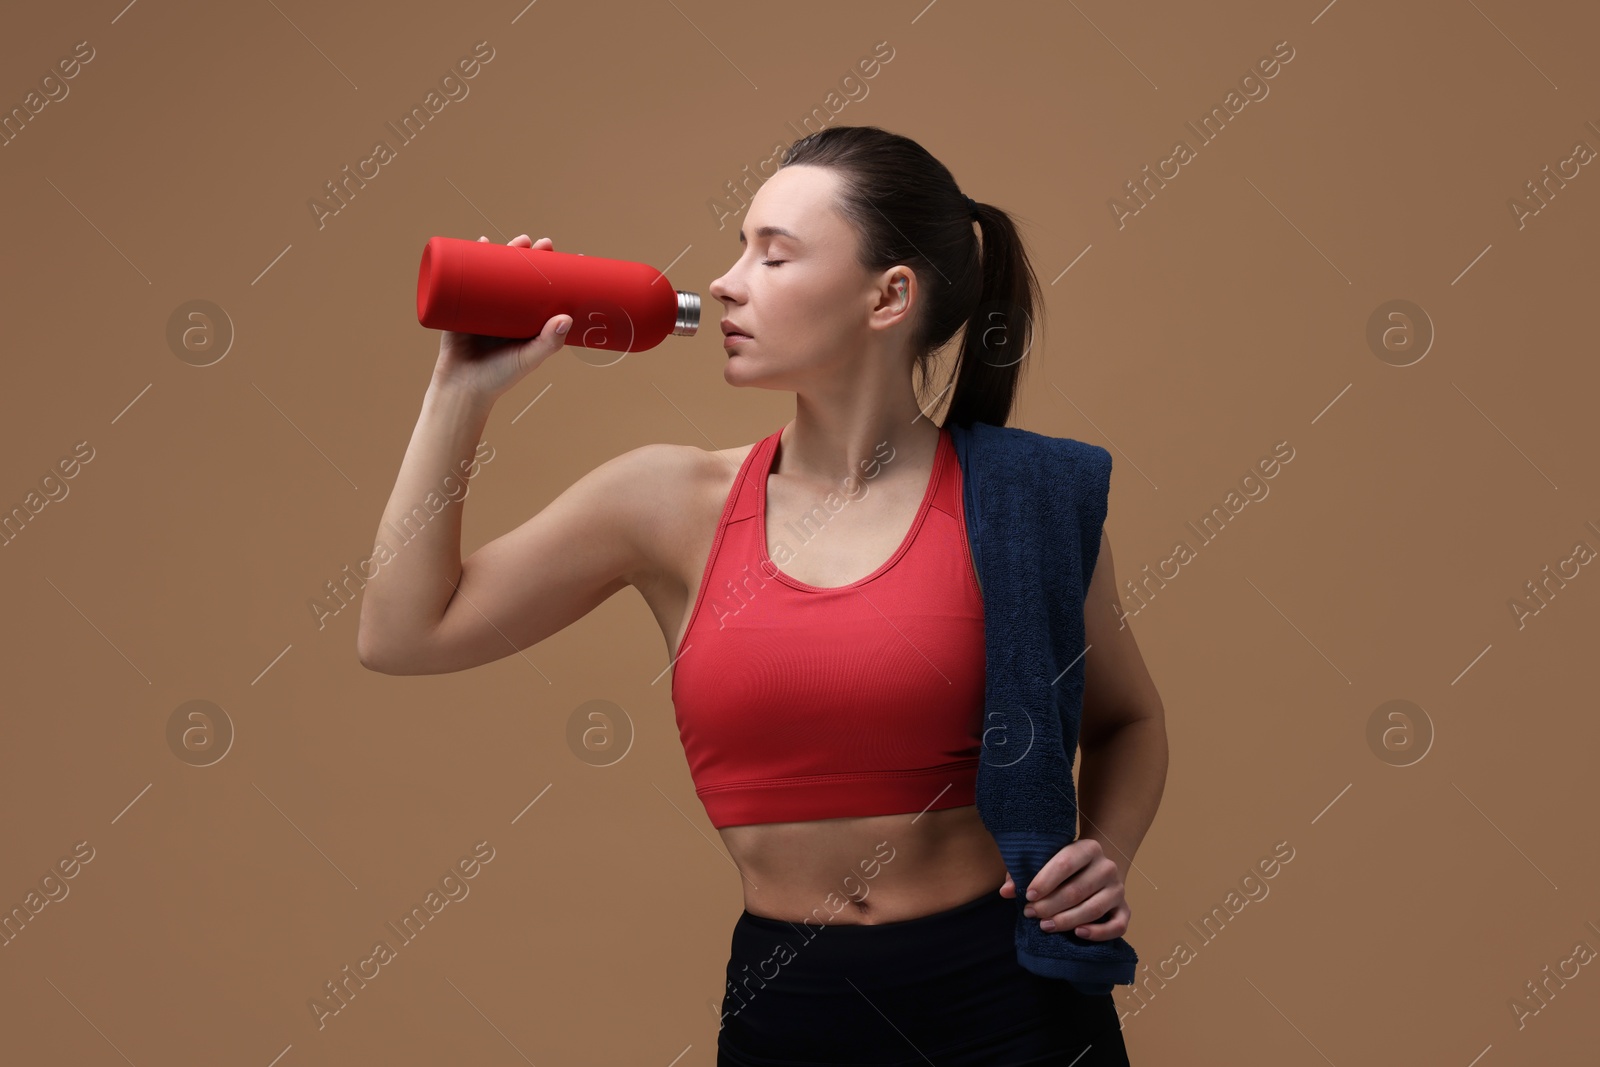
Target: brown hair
908, 211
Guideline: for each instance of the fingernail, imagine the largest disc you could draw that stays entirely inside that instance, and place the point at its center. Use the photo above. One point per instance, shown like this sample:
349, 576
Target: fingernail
1033, 895
1048, 924
563, 327
1029, 912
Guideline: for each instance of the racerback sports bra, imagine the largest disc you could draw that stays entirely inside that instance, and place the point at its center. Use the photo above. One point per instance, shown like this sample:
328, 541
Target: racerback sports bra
795, 702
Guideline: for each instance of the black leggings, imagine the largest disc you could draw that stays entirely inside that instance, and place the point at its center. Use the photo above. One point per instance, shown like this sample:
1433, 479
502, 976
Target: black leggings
944, 988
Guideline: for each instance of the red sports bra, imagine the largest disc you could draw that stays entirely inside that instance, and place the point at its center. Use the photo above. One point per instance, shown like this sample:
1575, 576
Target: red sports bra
797, 703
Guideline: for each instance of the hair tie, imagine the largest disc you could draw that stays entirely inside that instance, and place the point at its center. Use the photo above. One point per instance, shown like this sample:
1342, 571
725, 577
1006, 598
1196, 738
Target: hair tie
972, 205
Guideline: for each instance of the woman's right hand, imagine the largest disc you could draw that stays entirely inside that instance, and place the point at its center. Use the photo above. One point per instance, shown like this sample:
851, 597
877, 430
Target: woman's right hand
490, 366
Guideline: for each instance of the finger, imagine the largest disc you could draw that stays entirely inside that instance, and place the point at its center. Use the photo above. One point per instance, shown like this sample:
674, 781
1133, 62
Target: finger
1099, 874
1062, 865
483, 238
1044, 883
1008, 884
1076, 891
554, 333
1054, 902
522, 240
1114, 926
1086, 916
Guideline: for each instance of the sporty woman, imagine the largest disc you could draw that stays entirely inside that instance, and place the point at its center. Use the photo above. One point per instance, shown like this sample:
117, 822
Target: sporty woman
824, 622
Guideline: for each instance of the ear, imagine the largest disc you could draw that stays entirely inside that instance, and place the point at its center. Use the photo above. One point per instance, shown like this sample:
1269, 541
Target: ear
896, 297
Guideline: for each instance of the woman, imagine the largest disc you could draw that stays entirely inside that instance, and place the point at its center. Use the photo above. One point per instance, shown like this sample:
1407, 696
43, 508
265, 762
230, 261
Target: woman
828, 692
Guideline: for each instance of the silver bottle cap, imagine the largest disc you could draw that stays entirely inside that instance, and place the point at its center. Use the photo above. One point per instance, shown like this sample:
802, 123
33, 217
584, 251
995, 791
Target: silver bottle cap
688, 314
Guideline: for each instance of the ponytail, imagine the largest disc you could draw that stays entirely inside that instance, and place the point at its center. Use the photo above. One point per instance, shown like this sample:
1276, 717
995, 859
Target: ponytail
999, 332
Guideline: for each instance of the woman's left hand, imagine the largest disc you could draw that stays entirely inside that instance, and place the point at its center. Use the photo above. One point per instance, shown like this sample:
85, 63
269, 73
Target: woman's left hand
1074, 889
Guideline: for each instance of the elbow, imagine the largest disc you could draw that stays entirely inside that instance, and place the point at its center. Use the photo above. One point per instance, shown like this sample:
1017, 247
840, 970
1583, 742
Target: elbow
366, 642
1145, 721
370, 659
374, 656
395, 659
389, 642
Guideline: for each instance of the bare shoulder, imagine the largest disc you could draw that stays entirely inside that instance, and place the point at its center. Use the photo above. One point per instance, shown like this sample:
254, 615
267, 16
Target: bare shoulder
664, 476
675, 496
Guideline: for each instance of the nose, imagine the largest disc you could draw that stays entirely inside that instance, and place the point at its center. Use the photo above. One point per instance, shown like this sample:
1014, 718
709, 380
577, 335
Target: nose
721, 290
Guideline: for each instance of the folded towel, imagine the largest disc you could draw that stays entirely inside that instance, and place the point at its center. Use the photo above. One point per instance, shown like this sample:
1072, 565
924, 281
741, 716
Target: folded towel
1035, 507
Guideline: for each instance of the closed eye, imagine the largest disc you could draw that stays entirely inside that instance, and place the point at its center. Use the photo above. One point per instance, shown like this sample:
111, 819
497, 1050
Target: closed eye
772, 262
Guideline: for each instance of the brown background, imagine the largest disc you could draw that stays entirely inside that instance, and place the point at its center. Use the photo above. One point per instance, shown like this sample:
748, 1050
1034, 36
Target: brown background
1229, 314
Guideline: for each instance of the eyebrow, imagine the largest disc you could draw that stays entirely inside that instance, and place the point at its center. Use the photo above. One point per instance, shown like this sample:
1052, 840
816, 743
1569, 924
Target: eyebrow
772, 231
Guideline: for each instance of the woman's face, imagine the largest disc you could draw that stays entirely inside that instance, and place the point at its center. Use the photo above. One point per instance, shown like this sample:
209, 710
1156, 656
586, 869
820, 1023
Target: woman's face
801, 297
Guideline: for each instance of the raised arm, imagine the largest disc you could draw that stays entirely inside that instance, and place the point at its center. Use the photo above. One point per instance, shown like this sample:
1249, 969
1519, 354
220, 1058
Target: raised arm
446, 615
427, 612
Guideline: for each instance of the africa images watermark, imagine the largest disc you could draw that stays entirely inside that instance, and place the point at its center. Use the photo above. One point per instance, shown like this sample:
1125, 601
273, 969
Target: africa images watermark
53, 85
1255, 89
53, 489
1540, 995
52, 890
1211, 525
348, 590
785, 952
823, 115
739, 591
341, 191
339, 992
1542, 190
1540, 592
1255, 890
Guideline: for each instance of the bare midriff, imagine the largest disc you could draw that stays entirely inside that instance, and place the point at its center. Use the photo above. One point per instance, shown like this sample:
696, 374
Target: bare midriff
877, 869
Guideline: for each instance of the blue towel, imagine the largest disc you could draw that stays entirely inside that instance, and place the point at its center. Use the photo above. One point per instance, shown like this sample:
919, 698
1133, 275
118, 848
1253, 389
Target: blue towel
1035, 506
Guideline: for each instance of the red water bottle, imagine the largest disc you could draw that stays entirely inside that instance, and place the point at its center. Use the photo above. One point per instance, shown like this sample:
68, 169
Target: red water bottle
508, 291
